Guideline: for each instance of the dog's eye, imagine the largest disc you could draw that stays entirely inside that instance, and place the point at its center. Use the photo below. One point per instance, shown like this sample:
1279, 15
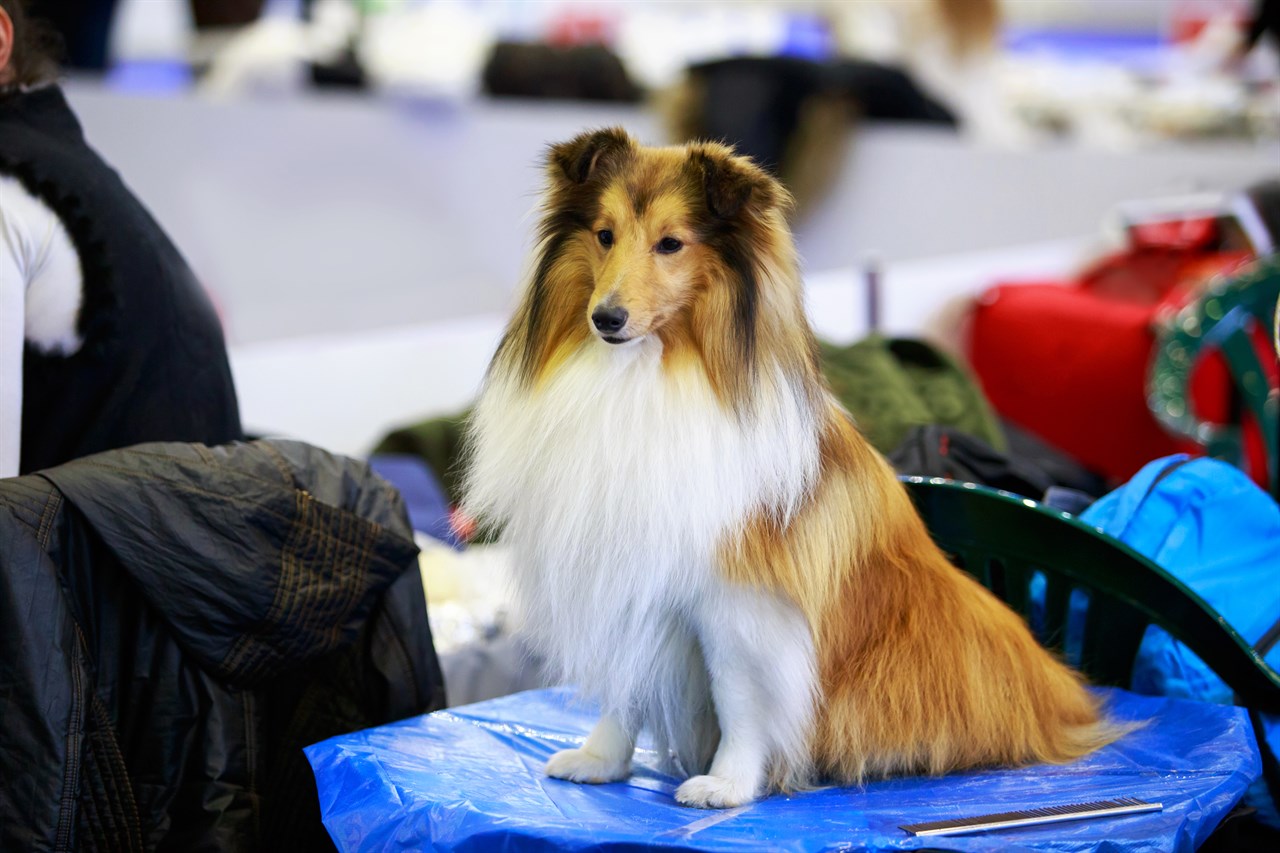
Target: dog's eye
605, 236
669, 246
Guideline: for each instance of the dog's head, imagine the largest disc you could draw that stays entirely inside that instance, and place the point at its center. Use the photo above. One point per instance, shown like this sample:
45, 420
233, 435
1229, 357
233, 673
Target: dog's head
688, 245
656, 231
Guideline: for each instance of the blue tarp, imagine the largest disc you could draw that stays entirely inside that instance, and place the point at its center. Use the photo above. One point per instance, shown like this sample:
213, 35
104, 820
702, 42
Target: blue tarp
470, 779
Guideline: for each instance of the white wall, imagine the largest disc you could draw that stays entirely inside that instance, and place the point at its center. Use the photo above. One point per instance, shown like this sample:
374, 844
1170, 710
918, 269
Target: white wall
324, 215
365, 252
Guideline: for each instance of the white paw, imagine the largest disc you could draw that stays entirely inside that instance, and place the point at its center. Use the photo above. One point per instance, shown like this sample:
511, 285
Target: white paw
578, 765
714, 792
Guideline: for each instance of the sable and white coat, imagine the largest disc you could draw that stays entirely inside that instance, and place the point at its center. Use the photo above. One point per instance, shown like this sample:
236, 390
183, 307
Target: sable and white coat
702, 540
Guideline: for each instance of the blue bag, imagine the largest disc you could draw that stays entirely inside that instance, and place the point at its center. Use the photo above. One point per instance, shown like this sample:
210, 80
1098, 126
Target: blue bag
1210, 526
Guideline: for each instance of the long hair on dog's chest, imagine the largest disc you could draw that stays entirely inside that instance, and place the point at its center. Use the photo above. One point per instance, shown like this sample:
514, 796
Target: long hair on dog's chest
615, 508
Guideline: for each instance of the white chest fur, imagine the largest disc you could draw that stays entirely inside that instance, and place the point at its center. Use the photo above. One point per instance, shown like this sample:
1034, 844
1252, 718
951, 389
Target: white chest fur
614, 483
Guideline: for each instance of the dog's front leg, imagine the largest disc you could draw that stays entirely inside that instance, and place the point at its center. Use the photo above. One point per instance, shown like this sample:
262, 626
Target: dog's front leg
738, 769
760, 659
605, 757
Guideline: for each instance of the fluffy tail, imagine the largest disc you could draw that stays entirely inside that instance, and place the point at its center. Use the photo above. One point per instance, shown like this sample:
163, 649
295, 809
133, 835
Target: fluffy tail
955, 684
925, 671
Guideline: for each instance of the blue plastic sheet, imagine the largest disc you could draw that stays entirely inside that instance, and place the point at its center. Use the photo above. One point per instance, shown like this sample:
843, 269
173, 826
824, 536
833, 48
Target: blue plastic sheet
470, 779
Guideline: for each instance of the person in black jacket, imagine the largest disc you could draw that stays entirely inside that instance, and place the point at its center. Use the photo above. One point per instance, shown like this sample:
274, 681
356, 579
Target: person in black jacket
1265, 19
106, 337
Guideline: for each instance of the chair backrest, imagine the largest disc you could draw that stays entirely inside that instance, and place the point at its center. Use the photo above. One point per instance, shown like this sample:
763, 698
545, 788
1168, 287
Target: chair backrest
1223, 318
1004, 541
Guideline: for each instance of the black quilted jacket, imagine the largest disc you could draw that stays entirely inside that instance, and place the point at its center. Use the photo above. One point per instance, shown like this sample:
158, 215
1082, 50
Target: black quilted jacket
176, 622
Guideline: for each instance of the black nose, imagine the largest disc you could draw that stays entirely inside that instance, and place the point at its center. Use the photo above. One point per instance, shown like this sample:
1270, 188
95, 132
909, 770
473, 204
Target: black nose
609, 320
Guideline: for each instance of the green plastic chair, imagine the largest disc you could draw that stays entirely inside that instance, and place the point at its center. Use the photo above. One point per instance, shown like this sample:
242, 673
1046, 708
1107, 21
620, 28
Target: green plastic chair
1221, 320
1003, 540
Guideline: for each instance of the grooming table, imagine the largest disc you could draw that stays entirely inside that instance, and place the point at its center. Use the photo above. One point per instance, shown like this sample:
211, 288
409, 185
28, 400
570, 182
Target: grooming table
470, 779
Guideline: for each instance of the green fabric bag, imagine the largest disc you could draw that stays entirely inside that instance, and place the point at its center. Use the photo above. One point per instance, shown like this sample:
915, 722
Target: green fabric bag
890, 385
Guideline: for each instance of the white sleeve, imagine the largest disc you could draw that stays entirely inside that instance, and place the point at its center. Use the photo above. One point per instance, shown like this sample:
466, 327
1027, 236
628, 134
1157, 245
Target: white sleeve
40, 296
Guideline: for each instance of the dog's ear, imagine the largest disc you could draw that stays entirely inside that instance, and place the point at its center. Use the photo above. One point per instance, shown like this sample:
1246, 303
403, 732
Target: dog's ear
729, 181
589, 153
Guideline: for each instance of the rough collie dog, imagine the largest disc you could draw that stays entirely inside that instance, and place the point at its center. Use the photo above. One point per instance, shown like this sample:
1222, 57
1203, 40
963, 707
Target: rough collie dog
703, 541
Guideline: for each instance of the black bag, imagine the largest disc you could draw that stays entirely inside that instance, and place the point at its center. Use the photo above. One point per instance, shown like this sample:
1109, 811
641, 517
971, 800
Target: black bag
1030, 469
584, 72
